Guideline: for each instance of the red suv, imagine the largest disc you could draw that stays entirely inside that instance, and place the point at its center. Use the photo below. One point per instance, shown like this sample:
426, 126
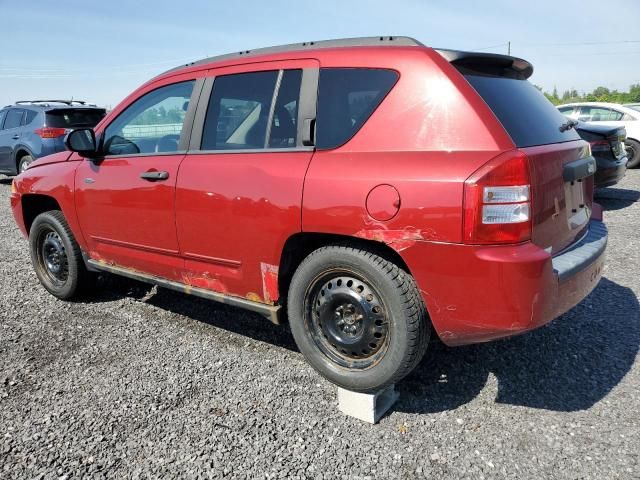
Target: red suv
373, 189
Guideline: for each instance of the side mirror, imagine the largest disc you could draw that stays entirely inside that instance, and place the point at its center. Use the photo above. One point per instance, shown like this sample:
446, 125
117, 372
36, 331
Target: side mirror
83, 142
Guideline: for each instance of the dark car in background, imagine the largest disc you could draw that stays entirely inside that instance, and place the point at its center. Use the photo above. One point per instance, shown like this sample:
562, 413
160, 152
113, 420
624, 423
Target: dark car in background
608, 148
35, 128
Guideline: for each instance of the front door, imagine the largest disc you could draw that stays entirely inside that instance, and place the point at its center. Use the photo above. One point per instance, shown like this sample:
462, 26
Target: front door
239, 190
125, 201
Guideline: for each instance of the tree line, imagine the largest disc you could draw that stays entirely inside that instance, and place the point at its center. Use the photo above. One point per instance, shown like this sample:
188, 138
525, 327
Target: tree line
600, 94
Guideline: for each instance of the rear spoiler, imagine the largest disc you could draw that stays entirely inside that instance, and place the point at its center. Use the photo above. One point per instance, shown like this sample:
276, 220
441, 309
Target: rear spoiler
488, 64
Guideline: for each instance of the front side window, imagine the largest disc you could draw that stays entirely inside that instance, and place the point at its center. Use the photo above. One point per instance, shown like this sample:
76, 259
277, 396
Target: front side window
151, 124
3, 113
14, 118
238, 111
346, 99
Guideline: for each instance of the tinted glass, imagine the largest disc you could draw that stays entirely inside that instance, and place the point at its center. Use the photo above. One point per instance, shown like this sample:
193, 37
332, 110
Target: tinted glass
525, 113
14, 118
238, 111
28, 118
346, 99
3, 113
284, 126
151, 124
70, 118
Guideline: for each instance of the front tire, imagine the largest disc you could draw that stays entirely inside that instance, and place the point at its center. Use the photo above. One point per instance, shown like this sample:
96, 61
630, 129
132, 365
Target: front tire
357, 318
633, 153
56, 256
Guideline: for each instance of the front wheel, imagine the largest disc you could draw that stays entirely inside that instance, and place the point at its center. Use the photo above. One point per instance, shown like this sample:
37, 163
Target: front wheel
357, 318
56, 256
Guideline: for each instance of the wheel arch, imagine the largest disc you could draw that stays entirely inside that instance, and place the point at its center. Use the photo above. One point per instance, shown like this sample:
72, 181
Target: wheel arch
299, 245
35, 204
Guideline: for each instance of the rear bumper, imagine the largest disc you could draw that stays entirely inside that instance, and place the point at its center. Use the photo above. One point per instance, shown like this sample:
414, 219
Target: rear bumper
477, 294
609, 172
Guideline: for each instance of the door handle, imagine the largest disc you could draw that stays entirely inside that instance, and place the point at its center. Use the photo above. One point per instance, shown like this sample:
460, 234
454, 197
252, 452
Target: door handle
16, 136
153, 176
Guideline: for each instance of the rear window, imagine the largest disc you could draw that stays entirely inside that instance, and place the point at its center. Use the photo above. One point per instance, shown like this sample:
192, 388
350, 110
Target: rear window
71, 118
346, 99
525, 113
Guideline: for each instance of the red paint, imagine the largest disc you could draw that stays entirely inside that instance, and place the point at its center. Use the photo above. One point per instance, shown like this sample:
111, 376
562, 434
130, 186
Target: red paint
383, 202
221, 220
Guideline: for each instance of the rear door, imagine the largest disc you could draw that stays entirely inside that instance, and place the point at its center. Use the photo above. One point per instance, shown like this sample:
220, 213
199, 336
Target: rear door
239, 190
561, 166
125, 201
9, 137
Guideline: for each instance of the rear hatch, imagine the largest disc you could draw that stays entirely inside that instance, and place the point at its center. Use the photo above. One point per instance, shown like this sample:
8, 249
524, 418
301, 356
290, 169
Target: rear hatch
71, 118
560, 163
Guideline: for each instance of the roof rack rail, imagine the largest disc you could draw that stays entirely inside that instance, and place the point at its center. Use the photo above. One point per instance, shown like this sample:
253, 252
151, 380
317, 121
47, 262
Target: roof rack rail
66, 102
313, 45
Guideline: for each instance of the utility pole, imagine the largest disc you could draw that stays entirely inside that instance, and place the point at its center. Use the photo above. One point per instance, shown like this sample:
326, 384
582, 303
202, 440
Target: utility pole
508, 48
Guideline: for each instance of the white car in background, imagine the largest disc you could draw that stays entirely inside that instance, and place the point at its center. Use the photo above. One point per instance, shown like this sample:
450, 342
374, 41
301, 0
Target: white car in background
610, 114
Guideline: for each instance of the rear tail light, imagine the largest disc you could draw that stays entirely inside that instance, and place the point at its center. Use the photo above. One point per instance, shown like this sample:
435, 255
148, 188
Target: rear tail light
49, 132
600, 146
497, 201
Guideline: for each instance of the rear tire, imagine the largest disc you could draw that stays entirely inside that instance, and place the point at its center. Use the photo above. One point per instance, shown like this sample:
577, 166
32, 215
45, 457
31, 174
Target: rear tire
24, 163
56, 256
633, 153
357, 318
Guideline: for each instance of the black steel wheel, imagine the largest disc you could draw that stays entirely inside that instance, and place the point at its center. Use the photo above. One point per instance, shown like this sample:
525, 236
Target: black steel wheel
348, 319
357, 317
56, 256
53, 256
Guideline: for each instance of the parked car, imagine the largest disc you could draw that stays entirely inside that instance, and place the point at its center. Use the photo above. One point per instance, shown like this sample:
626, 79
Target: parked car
369, 190
635, 106
35, 128
607, 147
614, 115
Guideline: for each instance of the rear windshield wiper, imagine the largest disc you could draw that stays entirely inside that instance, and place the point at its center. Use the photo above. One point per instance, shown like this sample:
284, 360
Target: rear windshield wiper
568, 125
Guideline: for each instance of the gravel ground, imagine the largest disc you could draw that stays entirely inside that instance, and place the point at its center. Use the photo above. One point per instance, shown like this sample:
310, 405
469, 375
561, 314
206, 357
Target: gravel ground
141, 383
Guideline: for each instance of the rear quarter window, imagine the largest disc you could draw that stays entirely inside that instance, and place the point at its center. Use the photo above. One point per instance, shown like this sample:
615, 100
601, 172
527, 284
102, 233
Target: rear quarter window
346, 99
524, 112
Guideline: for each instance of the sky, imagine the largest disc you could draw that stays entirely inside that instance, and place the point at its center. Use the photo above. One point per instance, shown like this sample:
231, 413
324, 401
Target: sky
101, 51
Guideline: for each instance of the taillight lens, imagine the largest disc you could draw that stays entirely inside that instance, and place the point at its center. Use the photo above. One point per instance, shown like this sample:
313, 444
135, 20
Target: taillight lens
497, 201
50, 132
600, 146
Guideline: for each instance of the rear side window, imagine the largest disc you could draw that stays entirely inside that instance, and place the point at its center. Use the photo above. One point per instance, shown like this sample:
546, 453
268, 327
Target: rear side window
74, 118
346, 99
525, 113
284, 125
28, 118
238, 111
3, 113
14, 118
